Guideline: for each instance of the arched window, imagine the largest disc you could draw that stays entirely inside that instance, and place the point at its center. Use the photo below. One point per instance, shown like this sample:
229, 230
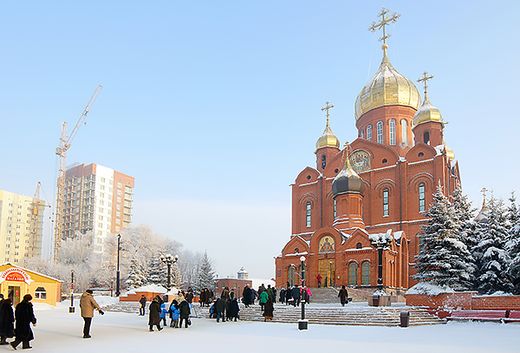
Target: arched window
352, 274
40, 293
369, 132
334, 209
365, 273
404, 132
392, 133
386, 209
323, 161
379, 127
362, 134
359, 246
426, 137
422, 197
308, 214
291, 275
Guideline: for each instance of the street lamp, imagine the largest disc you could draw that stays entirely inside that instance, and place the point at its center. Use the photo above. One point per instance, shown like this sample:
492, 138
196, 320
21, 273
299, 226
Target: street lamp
72, 309
380, 242
302, 323
118, 273
169, 260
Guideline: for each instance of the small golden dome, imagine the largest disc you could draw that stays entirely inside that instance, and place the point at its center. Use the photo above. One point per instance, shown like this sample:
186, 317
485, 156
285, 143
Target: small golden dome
427, 112
387, 87
449, 153
328, 139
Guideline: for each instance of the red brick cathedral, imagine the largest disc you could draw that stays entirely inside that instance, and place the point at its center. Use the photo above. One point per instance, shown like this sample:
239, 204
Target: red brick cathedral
380, 185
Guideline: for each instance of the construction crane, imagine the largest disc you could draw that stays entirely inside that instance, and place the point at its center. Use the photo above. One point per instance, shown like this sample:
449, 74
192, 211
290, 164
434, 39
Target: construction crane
61, 151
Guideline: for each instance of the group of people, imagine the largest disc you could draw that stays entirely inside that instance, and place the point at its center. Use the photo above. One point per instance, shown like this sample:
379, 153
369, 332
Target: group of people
206, 297
294, 295
266, 299
225, 307
16, 323
178, 311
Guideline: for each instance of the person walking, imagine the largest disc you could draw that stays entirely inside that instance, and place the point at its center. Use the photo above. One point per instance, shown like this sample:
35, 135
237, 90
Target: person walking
343, 296
220, 305
282, 295
174, 314
319, 278
142, 305
288, 296
164, 311
268, 310
6, 320
296, 296
246, 296
24, 316
87, 303
184, 309
233, 308
202, 297
264, 297
154, 314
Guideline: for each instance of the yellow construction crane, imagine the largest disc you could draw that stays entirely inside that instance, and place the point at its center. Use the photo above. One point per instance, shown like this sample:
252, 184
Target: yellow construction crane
61, 152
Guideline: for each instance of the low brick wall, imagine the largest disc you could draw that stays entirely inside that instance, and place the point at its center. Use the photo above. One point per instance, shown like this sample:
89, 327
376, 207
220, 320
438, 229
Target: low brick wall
135, 297
464, 300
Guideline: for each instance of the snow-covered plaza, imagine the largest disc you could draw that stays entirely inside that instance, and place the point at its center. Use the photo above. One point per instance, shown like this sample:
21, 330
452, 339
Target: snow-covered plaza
58, 331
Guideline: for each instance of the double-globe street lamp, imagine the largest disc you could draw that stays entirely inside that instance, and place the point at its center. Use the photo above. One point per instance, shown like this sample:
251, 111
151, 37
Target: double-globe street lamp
380, 242
169, 260
302, 323
118, 273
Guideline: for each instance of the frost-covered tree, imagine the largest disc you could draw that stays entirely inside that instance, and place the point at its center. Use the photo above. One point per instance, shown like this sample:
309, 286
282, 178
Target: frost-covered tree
513, 244
513, 214
206, 275
490, 253
176, 276
136, 276
155, 270
442, 258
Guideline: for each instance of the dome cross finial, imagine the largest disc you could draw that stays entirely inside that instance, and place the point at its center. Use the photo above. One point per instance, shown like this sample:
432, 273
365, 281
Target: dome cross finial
326, 108
381, 25
424, 79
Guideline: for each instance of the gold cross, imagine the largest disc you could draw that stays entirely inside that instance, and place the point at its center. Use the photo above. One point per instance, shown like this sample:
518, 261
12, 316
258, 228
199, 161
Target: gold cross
381, 25
424, 79
328, 106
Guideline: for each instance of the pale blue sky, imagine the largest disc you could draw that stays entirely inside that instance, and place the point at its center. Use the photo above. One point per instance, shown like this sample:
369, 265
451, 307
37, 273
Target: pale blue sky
214, 107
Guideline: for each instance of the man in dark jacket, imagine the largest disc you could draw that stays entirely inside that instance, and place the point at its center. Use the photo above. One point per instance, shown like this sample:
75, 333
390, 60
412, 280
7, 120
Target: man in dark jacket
184, 308
24, 315
142, 305
6, 321
154, 315
296, 296
282, 295
233, 308
220, 305
288, 296
343, 295
246, 296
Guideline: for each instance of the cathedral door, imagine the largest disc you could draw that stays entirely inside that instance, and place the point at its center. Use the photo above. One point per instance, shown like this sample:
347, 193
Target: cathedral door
291, 275
327, 270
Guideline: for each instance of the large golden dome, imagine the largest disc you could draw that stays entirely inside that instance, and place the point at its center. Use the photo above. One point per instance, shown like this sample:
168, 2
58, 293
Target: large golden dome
387, 87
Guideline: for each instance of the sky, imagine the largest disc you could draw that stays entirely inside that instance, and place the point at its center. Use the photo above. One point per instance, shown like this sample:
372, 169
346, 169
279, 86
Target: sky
214, 106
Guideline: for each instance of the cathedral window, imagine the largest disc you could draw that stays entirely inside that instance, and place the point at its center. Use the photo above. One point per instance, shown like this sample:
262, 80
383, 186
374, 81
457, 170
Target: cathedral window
404, 132
362, 134
308, 214
323, 161
422, 197
426, 137
385, 203
365, 273
352, 274
392, 132
334, 209
369, 132
379, 127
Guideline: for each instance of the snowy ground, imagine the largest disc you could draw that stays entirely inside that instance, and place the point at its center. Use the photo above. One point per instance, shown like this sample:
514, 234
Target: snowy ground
58, 331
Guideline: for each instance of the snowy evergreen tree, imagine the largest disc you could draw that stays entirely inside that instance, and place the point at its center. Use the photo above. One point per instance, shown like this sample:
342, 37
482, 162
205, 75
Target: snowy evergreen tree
136, 276
176, 276
513, 244
156, 272
513, 214
206, 275
442, 258
490, 253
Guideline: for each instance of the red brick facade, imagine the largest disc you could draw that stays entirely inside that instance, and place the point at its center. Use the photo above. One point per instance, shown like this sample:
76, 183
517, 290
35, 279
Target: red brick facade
465, 300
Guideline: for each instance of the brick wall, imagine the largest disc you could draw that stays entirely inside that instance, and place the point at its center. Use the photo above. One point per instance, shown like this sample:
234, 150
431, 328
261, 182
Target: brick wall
465, 300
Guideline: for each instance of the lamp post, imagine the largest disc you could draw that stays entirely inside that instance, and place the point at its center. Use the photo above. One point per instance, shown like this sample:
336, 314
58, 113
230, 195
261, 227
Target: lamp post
169, 260
72, 309
118, 273
380, 242
302, 323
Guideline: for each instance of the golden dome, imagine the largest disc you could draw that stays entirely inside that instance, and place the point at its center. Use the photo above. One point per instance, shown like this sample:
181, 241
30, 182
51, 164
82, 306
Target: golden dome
387, 87
449, 153
328, 139
427, 112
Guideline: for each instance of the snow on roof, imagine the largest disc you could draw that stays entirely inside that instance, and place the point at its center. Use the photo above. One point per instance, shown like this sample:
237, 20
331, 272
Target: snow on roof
151, 288
27, 270
257, 282
173, 291
429, 289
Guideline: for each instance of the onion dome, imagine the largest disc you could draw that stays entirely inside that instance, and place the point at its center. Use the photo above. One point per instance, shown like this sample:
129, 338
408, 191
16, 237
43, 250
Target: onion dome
327, 139
449, 153
347, 181
387, 87
427, 112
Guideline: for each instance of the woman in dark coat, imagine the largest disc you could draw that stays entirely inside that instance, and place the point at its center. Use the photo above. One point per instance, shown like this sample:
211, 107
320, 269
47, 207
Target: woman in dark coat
24, 315
184, 308
246, 296
6, 321
220, 305
288, 296
154, 315
233, 309
268, 310
343, 295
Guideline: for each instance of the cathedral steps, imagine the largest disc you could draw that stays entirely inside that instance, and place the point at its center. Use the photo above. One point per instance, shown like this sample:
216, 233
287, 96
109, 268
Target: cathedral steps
357, 315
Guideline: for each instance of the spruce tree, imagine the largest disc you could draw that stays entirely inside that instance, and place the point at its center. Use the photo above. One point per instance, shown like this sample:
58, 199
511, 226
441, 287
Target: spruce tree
493, 259
206, 275
176, 276
156, 271
442, 258
136, 275
513, 244
513, 214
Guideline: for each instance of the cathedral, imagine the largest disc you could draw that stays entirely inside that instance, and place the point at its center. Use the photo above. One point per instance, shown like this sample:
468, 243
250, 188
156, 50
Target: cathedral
379, 186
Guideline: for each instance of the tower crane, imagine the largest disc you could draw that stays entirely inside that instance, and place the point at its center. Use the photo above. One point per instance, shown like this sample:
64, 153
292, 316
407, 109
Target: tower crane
61, 151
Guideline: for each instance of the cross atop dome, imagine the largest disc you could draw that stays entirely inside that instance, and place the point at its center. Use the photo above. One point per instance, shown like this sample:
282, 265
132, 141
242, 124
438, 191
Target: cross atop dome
424, 79
381, 25
328, 106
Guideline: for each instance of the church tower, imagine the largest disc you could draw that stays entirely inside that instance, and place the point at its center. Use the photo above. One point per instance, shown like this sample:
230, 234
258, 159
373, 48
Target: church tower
328, 144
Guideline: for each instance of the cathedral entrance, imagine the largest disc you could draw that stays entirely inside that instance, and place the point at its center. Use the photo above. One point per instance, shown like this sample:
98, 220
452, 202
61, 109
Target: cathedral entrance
327, 271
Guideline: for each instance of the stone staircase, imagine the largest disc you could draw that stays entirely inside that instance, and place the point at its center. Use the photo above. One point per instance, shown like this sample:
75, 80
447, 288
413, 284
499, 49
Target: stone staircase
324, 295
359, 315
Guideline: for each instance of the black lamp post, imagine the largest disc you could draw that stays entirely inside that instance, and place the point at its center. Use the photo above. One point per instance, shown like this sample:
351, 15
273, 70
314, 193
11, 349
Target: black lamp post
72, 309
169, 260
380, 242
302, 323
118, 273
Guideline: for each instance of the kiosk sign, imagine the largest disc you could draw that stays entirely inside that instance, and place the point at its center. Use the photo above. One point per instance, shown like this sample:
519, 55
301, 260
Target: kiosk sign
15, 275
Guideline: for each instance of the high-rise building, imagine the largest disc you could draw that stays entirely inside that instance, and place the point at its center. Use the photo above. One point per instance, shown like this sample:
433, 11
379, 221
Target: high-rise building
21, 224
97, 199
